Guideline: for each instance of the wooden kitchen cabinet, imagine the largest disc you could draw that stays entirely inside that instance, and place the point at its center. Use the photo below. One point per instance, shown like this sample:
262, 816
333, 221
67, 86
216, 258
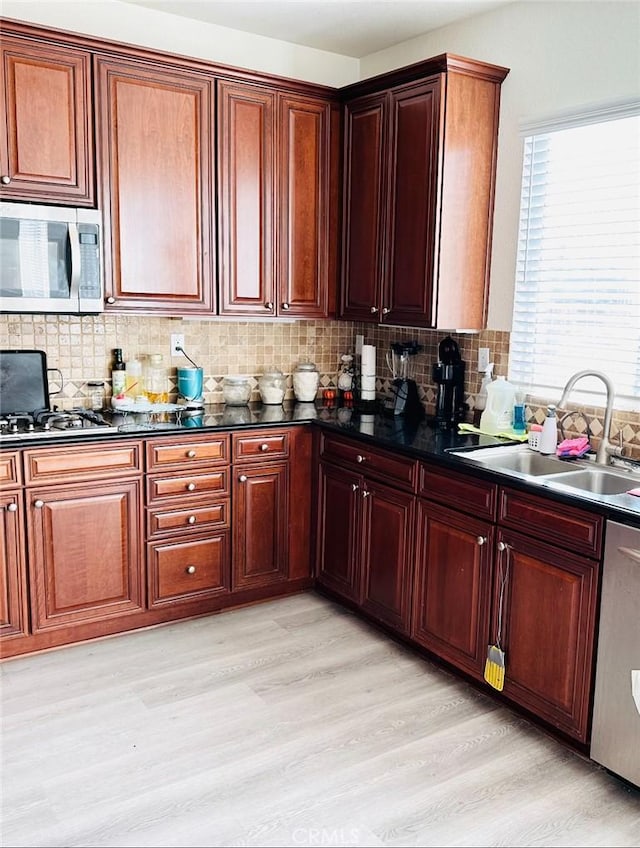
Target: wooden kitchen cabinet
366, 529
548, 606
277, 163
188, 519
419, 173
14, 612
155, 150
84, 538
46, 143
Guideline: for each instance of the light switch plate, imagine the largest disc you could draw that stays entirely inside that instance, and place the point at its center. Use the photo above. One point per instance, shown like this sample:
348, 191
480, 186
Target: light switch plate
483, 358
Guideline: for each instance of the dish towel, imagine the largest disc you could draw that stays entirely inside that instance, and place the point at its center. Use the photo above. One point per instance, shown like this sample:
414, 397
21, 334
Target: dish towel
507, 434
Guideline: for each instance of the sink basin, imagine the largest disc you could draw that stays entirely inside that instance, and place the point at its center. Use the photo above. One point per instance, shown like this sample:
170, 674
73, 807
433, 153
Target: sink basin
599, 482
518, 458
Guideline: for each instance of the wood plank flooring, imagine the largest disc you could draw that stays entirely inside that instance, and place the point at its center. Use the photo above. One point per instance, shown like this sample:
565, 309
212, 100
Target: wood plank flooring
289, 723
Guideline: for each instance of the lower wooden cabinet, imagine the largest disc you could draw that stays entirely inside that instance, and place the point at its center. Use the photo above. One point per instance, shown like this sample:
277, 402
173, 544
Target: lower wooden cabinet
365, 544
85, 548
452, 593
14, 613
545, 606
189, 569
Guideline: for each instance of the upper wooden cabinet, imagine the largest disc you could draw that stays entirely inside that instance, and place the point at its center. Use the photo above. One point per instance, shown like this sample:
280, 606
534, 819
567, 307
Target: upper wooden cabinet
154, 139
277, 161
419, 170
46, 144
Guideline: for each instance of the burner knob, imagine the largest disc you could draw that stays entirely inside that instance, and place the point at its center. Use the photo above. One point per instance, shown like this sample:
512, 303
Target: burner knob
30, 427
75, 422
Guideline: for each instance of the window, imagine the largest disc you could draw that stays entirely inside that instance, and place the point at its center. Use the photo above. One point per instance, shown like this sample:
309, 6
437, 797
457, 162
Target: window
577, 292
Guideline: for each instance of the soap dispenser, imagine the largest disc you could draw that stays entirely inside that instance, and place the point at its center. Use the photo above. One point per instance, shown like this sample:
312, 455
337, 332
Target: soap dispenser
549, 435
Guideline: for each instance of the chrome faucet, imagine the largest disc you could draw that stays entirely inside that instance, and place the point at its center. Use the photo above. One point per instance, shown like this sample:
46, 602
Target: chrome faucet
605, 448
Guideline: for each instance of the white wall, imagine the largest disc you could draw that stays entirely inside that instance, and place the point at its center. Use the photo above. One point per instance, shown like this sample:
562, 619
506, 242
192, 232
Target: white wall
562, 56
161, 31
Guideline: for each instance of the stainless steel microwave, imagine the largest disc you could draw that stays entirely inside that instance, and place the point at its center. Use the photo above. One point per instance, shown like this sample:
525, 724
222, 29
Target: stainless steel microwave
50, 259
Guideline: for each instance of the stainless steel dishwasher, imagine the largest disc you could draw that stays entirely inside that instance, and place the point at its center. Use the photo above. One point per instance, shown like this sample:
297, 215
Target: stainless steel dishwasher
615, 737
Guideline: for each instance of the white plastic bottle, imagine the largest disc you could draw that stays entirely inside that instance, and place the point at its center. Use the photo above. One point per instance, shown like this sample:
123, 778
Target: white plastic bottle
548, 441
496, 417
481, 398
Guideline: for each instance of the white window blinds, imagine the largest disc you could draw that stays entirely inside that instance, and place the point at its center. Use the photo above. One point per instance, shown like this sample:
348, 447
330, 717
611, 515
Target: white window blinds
577, 292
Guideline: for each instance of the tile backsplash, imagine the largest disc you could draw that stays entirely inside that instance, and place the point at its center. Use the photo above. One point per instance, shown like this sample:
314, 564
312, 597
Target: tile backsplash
81, 348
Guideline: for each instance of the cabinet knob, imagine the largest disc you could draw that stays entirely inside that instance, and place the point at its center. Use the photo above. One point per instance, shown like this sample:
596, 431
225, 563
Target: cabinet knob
385, 310
6, 179
481, 540
502, 546
374, 309
354, 487
191, 487
12, 508
38, 504
360, 458
268, 305
191, 454
191, 519
242, 478
264, 447
111, 299
190, 569
365, 493
285, 306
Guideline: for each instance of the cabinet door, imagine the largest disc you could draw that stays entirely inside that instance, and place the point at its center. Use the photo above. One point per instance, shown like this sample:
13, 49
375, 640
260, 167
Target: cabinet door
13, 587
339, 546
154, 137
453, 586
86, 553
46, 144
363, 203
260, 525
411, 232
246, 195
304, 194
548, 625
387, 555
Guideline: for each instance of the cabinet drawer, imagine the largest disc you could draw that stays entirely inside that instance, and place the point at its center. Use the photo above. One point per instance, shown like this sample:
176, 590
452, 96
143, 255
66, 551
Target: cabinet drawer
460, 491
189, 570
389, 467
10, 469
265, 445
561, 524
78, 463
197, 518
162, 488
187, 452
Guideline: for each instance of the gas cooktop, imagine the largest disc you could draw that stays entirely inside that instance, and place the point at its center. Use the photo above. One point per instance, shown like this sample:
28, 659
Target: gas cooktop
19, 426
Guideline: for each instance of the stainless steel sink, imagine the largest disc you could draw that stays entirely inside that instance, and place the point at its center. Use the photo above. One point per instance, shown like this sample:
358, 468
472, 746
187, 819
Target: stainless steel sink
599, 481
518, 458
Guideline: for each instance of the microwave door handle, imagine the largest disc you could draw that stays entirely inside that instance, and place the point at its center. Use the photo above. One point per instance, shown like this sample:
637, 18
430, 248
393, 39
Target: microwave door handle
74, 243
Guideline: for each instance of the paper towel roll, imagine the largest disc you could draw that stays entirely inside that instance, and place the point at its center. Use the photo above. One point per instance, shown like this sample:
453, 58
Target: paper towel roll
368, 361
368, 387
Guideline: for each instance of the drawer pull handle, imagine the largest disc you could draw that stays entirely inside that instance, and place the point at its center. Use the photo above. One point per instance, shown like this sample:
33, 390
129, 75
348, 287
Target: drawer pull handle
360, 458
385, 310
374, 309
365, 493
191, 454
242, 478
38, 504
6, 179
191, 487
12, 508
264, 447
111, 299
191, 519
285, 306
190, 569
481, 540
268, 305
354, 487
502, 546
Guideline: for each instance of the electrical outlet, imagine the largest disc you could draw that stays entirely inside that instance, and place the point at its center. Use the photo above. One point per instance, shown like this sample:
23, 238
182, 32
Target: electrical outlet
177, 341
483, 358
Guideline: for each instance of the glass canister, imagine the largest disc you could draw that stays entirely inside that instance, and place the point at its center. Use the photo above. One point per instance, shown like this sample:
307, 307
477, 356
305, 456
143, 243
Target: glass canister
272, 385
305, 382
236, 390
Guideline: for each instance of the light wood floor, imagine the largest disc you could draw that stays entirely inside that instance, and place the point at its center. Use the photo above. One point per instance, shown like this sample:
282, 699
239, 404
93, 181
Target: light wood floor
290, 723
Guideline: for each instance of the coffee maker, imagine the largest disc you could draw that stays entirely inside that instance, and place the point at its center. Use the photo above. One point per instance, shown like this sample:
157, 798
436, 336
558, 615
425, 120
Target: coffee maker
448, 374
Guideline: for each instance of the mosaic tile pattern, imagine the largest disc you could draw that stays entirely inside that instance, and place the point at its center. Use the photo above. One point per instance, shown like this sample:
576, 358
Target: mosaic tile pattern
81, 347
